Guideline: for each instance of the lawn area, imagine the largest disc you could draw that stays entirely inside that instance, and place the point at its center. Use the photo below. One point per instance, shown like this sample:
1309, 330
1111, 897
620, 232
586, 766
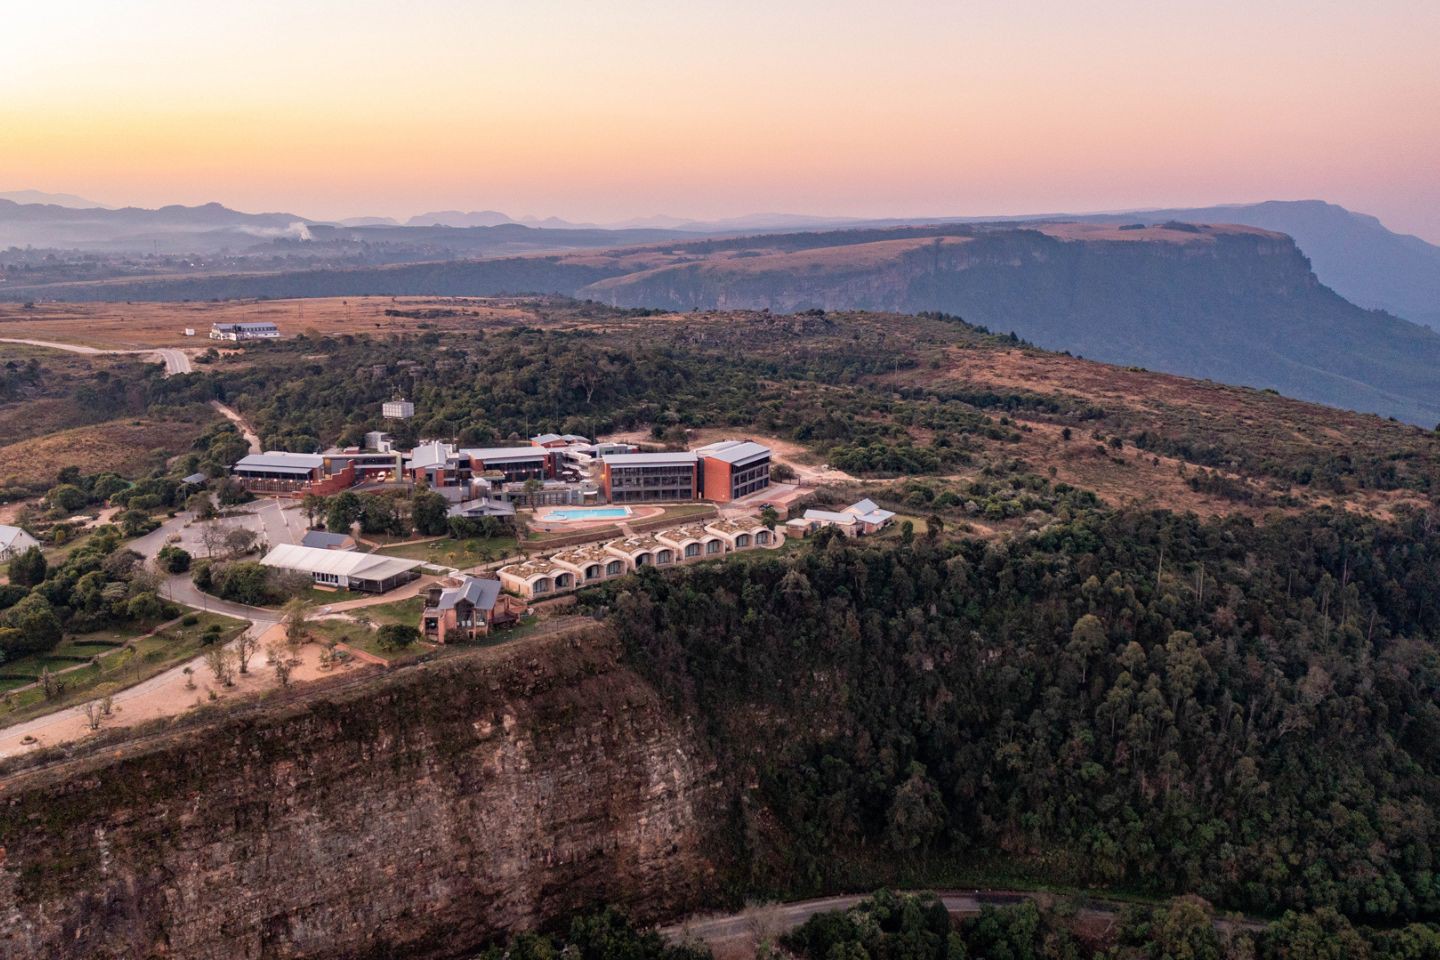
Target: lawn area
681, 512
318, 597
118, 669
448, 552
396, 611
361, 637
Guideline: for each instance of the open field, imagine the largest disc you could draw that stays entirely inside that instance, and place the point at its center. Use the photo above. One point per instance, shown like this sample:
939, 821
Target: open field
123, 326
130, 447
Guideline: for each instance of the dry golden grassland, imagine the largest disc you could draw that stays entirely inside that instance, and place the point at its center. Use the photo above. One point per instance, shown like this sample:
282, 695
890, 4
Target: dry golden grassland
129, 447
129, 326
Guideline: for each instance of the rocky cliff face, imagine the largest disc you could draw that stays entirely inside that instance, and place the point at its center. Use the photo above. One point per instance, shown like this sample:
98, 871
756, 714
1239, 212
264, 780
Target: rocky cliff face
418, 817
1224, 303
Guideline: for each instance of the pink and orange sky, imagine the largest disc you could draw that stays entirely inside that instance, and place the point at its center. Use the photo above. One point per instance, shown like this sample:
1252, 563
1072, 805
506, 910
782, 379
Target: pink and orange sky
608, 110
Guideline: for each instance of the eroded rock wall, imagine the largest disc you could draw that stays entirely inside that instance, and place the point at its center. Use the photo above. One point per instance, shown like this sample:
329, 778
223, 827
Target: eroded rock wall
413, 817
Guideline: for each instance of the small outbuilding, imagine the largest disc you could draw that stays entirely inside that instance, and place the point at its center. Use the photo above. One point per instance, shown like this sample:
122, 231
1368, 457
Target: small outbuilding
14, 541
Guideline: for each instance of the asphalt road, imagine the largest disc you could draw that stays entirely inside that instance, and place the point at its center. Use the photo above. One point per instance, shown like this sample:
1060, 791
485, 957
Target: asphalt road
175, 360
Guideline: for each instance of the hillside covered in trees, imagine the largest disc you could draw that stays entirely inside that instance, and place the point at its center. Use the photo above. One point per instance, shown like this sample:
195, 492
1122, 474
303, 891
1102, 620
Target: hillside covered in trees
1140, 701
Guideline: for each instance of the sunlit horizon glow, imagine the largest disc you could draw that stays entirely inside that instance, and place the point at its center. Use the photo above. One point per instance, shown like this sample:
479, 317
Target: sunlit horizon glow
604, 112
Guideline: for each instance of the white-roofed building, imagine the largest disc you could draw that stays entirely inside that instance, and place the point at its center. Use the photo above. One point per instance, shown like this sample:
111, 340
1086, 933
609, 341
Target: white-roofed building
518, 464
262, 330
555, 441
870, 516
397, 409
344, 569
856, 519
14, 541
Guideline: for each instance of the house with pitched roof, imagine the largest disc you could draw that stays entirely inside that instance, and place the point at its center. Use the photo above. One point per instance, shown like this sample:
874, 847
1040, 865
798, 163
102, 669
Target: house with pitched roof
14, 541
466, 608
855, 520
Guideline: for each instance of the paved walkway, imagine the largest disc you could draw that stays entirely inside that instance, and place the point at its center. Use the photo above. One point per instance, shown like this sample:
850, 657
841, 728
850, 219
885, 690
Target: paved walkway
411, 589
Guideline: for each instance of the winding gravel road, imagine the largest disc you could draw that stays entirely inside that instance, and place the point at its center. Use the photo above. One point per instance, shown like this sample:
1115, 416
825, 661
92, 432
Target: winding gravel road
735, 932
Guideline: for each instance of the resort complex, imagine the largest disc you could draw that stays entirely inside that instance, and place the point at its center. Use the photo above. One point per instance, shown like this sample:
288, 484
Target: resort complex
552, 470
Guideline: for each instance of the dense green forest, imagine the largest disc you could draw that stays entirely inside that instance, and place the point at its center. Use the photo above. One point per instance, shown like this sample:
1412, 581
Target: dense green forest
605, 935
892, 926
1132, 700
514, 384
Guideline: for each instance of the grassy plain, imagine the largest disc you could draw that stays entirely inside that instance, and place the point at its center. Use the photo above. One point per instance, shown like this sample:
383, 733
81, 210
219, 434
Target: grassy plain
127, 326
129, 447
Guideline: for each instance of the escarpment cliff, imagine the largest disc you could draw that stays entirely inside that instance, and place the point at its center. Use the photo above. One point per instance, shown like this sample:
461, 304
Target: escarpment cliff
418, 815
1227, 303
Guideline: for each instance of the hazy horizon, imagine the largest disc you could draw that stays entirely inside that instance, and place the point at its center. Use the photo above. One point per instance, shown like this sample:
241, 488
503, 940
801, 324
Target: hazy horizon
602, 114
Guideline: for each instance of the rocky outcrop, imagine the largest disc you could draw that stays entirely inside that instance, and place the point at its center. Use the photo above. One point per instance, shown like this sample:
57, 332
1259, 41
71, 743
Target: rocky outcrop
419, 815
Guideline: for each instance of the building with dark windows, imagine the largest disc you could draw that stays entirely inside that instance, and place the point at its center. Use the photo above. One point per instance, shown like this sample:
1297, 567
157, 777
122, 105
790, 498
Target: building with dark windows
518, 464
244, 331
277, 471
731, 469
645, 477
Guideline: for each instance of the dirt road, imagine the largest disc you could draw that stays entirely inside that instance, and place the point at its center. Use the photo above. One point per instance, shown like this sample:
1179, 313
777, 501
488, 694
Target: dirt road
736, 935
246, 431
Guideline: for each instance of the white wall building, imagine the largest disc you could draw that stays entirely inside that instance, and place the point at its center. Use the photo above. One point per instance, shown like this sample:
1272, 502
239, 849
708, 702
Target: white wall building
244, 331
14, 541
344, 569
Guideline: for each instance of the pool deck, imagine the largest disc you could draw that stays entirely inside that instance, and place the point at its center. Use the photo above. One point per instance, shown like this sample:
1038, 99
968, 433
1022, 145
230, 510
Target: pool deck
579, 526
585, 514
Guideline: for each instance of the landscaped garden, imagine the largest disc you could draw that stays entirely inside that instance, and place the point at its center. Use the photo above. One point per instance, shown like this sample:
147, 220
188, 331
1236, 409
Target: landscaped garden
108, 661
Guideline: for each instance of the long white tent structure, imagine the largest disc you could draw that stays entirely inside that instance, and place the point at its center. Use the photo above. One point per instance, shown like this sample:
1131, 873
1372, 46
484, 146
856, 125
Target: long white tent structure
368, 572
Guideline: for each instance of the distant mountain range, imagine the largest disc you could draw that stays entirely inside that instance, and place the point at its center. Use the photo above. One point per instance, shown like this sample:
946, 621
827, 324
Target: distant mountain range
1351, 252
171, 229
57, 199
1232, 303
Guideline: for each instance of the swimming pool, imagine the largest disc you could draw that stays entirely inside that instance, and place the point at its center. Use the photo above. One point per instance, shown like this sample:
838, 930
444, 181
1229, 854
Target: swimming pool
572, 514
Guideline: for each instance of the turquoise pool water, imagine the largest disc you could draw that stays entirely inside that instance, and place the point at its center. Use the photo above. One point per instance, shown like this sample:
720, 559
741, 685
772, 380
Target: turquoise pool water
563, 514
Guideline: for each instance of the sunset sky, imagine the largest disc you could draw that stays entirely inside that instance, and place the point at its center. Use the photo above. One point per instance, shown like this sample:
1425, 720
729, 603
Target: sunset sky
607, 110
